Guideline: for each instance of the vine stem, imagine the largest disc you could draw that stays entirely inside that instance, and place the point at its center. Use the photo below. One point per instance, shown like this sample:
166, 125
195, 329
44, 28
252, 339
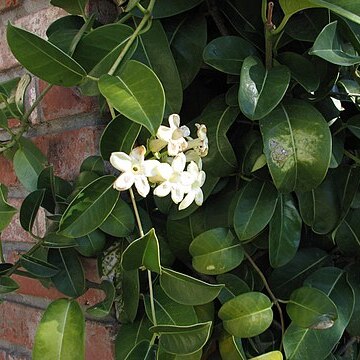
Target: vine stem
138, 221
352, 157
133, 37
269, 26
273, 297
2, 259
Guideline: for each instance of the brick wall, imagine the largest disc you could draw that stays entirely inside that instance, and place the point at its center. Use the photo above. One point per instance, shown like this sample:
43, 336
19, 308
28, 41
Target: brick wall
66, 127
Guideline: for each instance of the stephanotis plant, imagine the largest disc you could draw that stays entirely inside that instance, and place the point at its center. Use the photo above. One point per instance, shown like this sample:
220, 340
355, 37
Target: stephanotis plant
232, 236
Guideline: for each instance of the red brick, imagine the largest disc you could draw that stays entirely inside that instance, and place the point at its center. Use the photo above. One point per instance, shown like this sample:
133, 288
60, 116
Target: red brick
37, 23
8, 4
19, 323
60, 102
7, 174
2, 355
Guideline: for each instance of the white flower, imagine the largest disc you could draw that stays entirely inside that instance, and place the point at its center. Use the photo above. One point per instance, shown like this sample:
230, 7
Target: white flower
176, 180
201, 144
195, 192
173, 136
135, 170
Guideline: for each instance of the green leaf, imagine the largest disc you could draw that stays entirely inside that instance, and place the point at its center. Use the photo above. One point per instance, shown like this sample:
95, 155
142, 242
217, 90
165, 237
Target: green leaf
234, 286
7, 285
290, 7
137, 93
182, 339
28, 164
168, 311
311, 308
119, 135
345, 8
302, 70
273, 355
330, 47
76, 7
37, 267
5, 267
91, 244
297, 146
53, 240
121, 221
261, 90
187, 290
90, 208
353, 124
187, 50
162, 355
221, 159
154, 51
70, 280
231, 348
129, 336
93, 163
284, 231
103, 308
6, 210
284, 280
247, 315
61, 332
29, 209
227, 53
320, 207
308, 344
254, 209
129, 291
143, 252
353, 327
216, 251
43, 59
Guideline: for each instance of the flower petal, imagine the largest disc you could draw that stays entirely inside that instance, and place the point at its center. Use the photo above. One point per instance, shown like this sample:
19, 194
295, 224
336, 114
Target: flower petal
173, 148
174, 121
125, 181
187, 178
193, 169
177, 193
120, 161
142, 185
199, 197
164, 170
164, 133
163, 189
201, 178
138, 153
189, 198
179, 162
149, 167
185, 131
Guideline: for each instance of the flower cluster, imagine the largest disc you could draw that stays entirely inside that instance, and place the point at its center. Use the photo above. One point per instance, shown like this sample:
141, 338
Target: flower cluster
175, 167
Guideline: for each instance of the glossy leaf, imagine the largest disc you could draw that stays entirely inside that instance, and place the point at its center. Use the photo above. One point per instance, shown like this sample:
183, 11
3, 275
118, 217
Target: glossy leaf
103, 308
182, 339
164, 9
129, 336
187, 50
28, 164
290, 7
247, 315
91, 244
329, 46
300, 343
311, 308
128, 295
119, 135
7, 285
284, 231
302, 70
90, 208
162, 355
297, 146
273, 355
227, 53
234, 286
353, 327
320, 207
76, 7
29, 209
216, 251
353, 124
37, 267
120, 222
6, 210
154, 51
43, 59
61, 332
53, 240
261, 90
143, 252
168, 311
70, 279
187, 290
254, 208
137, 93
289, 277
231, 348
93, 163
